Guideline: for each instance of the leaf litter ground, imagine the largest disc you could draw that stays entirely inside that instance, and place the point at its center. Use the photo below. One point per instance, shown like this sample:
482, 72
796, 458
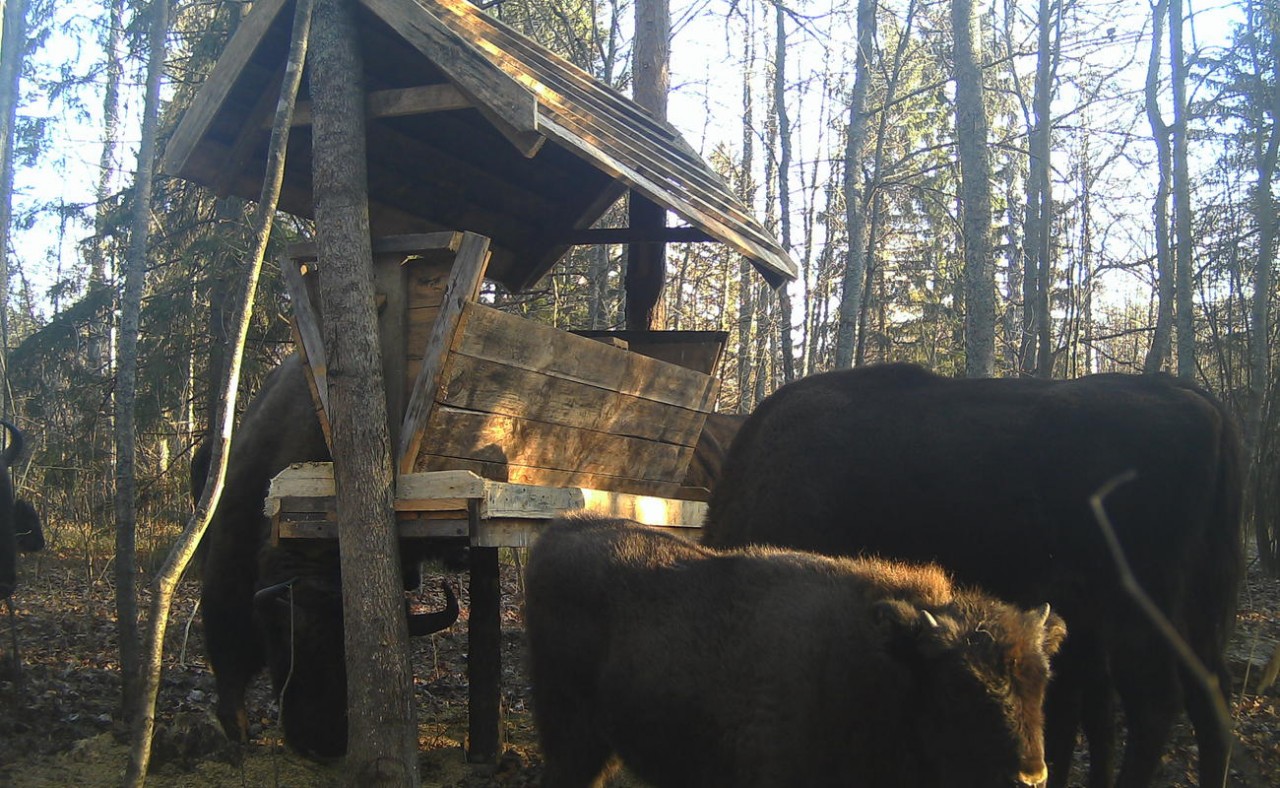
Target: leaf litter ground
59, 717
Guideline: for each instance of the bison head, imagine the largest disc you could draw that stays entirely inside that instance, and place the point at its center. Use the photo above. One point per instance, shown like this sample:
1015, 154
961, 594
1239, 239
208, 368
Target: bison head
980, 670
301, 621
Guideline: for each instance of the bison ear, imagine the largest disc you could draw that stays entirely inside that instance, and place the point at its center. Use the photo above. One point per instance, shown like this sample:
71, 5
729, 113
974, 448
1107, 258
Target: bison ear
1055, 629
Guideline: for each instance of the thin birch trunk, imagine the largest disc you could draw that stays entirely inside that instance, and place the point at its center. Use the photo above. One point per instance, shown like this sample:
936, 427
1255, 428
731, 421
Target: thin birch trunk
166, 581
1184, 313
126, 568
13, 43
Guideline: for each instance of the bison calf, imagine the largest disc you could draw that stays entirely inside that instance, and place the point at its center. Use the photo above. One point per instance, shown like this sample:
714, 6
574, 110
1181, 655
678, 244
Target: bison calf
765, 667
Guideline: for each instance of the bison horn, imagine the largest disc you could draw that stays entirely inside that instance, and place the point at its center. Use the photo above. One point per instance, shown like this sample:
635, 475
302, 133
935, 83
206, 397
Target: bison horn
929, 619
14, 449
1041, 614
263, 594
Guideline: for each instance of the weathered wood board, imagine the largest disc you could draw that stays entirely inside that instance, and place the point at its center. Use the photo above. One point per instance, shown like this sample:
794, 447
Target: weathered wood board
437, 505
521, 402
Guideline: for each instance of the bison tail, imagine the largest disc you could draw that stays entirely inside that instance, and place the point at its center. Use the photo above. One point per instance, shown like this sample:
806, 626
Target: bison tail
427, 623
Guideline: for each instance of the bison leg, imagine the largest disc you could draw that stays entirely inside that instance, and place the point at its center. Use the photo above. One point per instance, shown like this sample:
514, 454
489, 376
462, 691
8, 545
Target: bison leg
1080, 695
235, 655
1061, 718
574, 753
1147, 682
1098, 716
1213, 741
574, 750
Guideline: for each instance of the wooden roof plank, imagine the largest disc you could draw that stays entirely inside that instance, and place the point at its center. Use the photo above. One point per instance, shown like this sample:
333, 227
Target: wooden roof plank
594, 129
524, 91
768, 261
474, 21
511, 108
550, 67
196, 120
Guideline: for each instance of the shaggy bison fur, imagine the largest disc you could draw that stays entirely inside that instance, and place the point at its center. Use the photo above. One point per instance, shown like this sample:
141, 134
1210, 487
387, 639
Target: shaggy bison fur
765, 667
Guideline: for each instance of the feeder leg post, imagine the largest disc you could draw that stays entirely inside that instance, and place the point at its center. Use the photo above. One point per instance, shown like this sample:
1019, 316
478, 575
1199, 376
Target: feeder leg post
484, 657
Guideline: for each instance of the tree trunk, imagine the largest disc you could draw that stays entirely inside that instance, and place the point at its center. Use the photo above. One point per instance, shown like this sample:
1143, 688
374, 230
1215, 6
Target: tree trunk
1040, 173
382, 738
646, 262
975, 193
598, 277
1161, 342
746, 193
1184, 314
166, 581
784, 189
98, 355
13, 44
856, 202
1267, 153
127, 370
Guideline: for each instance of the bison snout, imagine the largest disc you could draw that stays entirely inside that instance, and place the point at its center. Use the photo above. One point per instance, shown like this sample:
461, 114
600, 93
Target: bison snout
1035, 777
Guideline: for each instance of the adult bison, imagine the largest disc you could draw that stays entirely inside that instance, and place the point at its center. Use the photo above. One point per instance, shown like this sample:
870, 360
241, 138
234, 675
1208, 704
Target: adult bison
711, 449
295, 624
766, 667
19, 523
992, 480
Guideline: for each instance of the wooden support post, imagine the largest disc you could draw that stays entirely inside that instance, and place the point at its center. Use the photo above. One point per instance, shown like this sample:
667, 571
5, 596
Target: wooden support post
391, 283
463, 286
484, 653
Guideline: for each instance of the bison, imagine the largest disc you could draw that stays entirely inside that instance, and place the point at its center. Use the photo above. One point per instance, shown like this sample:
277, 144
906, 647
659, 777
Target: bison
295, 625
712, 448
764, 667
992, 479
19, 524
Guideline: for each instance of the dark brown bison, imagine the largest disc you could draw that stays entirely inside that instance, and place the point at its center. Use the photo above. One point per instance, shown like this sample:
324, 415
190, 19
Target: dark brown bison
301, 620
712, 448
992, 480
765, 667
19, 524
297, 625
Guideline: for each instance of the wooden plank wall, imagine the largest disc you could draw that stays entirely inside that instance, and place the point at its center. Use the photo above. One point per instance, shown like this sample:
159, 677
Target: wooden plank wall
522, 402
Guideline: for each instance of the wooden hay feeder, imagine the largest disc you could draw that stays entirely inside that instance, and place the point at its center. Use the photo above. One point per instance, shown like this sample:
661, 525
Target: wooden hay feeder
472, 388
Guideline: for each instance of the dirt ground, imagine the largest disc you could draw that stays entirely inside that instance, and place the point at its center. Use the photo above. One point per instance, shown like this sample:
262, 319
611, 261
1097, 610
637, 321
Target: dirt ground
59, 714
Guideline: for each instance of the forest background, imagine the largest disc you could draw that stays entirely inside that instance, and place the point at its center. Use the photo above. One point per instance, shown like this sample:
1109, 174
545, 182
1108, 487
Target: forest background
1132, 222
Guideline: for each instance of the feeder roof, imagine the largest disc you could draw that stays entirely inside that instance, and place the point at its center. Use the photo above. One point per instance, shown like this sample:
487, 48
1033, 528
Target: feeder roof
461, 108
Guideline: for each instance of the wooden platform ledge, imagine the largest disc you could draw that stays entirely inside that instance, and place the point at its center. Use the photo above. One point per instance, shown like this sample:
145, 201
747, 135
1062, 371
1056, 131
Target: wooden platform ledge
436, 504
